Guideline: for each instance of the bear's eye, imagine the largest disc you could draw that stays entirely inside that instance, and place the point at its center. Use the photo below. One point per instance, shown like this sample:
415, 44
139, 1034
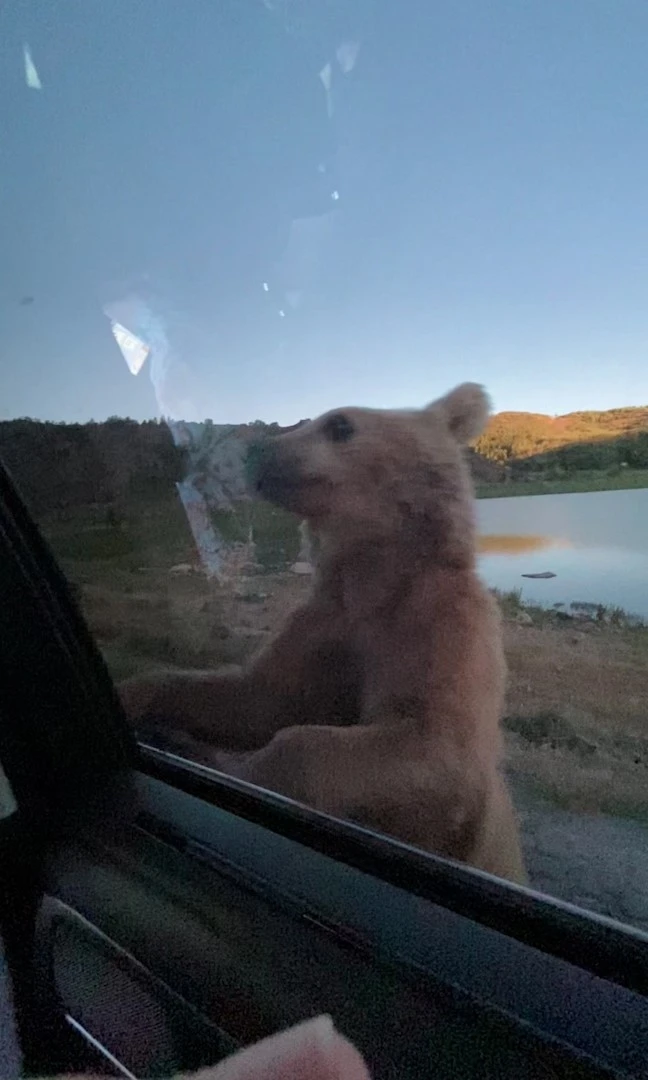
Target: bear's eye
338, 428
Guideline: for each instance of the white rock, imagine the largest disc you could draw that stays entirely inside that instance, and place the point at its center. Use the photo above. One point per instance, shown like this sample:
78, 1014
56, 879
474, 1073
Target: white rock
301, 568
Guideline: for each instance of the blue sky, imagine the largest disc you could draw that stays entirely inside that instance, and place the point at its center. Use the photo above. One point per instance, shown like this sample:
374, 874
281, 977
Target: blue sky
491, 163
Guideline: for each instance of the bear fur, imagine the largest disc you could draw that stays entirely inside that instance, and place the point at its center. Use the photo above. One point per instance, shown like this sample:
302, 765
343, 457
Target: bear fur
380, 701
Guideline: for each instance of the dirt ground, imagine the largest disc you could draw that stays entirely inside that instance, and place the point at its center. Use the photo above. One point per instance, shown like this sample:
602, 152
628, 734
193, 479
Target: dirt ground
576, 715
595, 861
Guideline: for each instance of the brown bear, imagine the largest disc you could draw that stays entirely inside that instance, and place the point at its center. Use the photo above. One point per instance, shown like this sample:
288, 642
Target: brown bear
380, 701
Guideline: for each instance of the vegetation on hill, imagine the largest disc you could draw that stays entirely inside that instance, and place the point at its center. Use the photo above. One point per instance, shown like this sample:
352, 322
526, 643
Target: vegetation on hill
532, 442
120, 462
62, 466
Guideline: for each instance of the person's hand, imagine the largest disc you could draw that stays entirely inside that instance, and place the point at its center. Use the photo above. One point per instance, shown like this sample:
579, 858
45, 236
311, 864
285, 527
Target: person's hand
311, 1051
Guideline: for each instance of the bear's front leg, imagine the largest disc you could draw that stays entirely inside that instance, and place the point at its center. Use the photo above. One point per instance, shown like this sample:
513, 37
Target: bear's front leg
178, 708
233, 711
377, 775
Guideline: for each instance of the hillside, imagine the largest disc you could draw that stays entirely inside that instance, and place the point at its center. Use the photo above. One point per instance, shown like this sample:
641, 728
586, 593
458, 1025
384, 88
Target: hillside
515, 436
485, 471
62, 466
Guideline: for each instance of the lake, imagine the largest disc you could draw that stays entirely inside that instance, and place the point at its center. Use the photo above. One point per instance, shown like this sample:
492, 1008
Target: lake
595, 542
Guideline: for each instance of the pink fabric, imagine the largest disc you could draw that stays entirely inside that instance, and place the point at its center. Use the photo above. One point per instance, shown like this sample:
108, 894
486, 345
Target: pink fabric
311, 1051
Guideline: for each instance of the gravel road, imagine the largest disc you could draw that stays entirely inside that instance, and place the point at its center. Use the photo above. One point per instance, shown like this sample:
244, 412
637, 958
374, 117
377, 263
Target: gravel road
596, 862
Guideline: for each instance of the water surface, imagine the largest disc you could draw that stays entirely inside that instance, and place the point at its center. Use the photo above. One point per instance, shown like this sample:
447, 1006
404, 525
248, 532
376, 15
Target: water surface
595, 542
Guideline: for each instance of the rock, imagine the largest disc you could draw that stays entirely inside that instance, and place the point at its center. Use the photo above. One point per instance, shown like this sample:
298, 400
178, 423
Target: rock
301, 568
250, 633
541, 576
251, 597
523, 618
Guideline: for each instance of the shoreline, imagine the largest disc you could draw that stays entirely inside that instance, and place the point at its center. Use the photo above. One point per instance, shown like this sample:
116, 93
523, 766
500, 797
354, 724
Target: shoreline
579, 483
593, 614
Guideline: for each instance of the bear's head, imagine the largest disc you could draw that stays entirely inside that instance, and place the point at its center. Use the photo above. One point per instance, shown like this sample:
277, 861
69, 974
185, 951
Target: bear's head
370, 474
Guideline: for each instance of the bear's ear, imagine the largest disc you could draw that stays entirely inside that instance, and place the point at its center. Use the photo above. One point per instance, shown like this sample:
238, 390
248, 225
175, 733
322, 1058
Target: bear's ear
466, 410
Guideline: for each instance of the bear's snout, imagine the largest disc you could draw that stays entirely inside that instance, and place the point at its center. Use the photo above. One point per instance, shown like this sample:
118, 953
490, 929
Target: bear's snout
272, 474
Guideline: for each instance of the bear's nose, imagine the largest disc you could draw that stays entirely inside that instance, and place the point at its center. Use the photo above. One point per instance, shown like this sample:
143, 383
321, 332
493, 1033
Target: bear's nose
263, 466
274, 474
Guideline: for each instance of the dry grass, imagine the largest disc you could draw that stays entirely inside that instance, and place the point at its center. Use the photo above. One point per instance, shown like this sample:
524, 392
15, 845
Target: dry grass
577, 715
594, 679
149, 618
577, 708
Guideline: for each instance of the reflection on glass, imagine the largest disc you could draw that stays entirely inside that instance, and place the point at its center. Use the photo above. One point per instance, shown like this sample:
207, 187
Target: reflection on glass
493, 544
218, 223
